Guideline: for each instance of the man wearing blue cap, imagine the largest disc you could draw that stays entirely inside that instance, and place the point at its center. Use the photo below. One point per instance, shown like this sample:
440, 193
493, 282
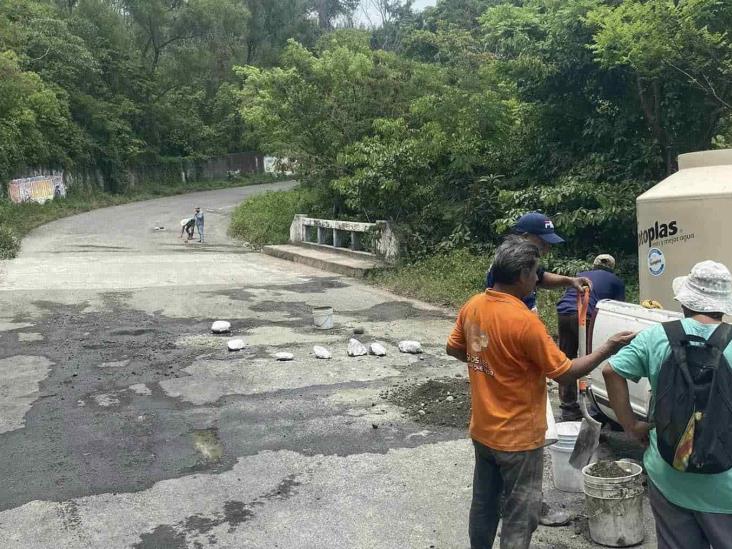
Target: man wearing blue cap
539, 229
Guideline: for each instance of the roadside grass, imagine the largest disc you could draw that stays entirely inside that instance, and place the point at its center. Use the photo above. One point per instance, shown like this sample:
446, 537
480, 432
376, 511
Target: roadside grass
448, 279
17, 220
266, 218
451, 279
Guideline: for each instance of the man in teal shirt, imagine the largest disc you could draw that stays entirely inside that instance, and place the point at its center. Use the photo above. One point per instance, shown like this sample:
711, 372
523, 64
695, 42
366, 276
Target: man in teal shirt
692, 511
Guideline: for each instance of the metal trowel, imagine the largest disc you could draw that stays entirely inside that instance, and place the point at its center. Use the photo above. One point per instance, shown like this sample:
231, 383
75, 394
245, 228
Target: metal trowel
589, 435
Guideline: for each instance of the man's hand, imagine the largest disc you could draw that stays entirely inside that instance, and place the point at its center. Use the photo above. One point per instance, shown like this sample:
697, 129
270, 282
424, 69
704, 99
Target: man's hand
579, 283
620, 340
638, 431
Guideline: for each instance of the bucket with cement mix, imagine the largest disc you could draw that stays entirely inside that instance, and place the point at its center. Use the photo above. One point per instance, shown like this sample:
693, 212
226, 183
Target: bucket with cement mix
566, 477
614, 500
323, 317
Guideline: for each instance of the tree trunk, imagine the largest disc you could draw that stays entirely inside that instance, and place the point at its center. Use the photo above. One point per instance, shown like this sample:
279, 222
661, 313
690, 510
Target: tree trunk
650, 101
323, 14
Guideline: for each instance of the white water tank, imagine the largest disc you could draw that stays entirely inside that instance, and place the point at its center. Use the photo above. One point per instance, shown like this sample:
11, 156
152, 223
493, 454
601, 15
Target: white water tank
685, 219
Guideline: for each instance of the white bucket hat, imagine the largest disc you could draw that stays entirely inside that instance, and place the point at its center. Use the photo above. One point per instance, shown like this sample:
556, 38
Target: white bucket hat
604, 260
707, 289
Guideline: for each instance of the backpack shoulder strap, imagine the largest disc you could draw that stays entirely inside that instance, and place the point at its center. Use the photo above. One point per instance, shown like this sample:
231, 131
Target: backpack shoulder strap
679, 341
721, 337
675, 333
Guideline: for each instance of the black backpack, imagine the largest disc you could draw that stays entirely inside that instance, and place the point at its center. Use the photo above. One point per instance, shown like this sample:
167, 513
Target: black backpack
693, 409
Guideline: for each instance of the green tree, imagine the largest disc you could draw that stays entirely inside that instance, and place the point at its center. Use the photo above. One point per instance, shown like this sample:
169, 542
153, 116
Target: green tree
680, 57
34, 121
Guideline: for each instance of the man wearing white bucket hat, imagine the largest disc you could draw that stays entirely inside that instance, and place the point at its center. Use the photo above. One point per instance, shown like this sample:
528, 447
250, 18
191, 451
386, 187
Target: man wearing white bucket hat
689, 454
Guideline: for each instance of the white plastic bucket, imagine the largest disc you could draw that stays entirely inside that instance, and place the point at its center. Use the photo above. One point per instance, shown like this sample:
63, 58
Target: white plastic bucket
566, 477
323, 317
615, 506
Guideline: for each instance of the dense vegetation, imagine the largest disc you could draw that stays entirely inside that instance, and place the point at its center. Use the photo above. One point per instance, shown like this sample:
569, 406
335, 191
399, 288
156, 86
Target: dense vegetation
105, 84
449, 122
453, 121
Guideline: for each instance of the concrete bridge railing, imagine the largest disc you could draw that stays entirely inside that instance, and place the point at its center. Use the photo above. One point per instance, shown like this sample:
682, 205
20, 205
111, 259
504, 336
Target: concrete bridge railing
364, 239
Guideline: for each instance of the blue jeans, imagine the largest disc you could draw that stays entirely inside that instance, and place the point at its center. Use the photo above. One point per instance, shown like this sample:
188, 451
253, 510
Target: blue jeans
508, 481
199, 227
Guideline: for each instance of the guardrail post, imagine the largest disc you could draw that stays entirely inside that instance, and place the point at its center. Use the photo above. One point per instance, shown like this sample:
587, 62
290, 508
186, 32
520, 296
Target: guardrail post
387, 245
321, 235
297, 228
356, 241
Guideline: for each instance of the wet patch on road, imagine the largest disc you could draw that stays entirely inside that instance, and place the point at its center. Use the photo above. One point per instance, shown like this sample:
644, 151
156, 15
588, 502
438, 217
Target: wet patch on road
398, 310
235, 513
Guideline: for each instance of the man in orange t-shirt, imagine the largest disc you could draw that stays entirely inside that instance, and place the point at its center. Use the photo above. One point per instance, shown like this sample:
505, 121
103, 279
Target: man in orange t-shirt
509, 355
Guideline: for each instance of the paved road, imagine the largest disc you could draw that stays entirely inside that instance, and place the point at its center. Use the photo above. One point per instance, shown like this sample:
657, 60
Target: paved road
125, 423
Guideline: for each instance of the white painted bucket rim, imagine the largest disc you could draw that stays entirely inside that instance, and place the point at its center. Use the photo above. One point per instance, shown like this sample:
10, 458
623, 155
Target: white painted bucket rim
568, 429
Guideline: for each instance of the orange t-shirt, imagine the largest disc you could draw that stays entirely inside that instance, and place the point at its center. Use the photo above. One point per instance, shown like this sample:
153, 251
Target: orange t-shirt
510, 355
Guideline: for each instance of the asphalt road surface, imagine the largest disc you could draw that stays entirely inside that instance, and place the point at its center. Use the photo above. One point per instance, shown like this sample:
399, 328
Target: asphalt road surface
125, 423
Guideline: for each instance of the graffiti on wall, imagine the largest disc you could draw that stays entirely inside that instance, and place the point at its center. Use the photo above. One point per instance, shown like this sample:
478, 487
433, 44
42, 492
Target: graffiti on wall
36, 189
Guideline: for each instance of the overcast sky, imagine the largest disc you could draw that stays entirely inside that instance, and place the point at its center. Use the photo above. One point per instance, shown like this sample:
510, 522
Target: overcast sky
374, 16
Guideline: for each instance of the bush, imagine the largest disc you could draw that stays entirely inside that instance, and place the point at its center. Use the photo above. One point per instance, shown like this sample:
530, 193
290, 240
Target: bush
266, 218
9, 243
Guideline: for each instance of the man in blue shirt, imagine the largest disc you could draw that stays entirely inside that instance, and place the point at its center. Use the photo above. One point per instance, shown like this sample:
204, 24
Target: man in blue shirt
692, 510
605, 285
198, 216
539, 230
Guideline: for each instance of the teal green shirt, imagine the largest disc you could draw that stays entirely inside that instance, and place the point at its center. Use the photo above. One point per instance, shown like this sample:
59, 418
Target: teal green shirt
643, 358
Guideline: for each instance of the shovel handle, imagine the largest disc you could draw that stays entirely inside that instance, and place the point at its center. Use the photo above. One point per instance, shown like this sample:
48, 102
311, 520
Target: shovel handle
583, 384
583, 304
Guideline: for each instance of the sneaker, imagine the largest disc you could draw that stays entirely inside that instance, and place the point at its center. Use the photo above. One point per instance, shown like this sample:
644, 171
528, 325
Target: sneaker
553, 517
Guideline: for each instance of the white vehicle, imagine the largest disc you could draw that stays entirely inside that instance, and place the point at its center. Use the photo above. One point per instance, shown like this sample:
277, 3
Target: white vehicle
610, 318
682, 220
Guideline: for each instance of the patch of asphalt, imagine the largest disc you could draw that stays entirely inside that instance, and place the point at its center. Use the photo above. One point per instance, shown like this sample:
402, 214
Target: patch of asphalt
101, 422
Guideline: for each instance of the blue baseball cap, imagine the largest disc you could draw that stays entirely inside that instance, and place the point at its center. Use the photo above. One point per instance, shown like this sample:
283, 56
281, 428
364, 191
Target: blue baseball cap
540, 225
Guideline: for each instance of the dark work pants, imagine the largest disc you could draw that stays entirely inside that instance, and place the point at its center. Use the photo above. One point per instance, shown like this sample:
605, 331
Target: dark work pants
510, 478
679, 528
569, 344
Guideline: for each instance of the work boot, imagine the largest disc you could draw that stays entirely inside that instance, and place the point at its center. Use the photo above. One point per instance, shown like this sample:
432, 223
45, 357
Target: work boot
553, 517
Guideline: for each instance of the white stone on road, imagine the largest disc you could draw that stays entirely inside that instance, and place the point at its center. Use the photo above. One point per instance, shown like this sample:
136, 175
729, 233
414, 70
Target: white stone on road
235, 344
20, 377
377, 349
221, 327
322, 352
356, 348
413, 347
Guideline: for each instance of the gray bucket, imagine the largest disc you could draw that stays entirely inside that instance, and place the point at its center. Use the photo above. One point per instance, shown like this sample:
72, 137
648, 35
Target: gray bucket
615, 506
